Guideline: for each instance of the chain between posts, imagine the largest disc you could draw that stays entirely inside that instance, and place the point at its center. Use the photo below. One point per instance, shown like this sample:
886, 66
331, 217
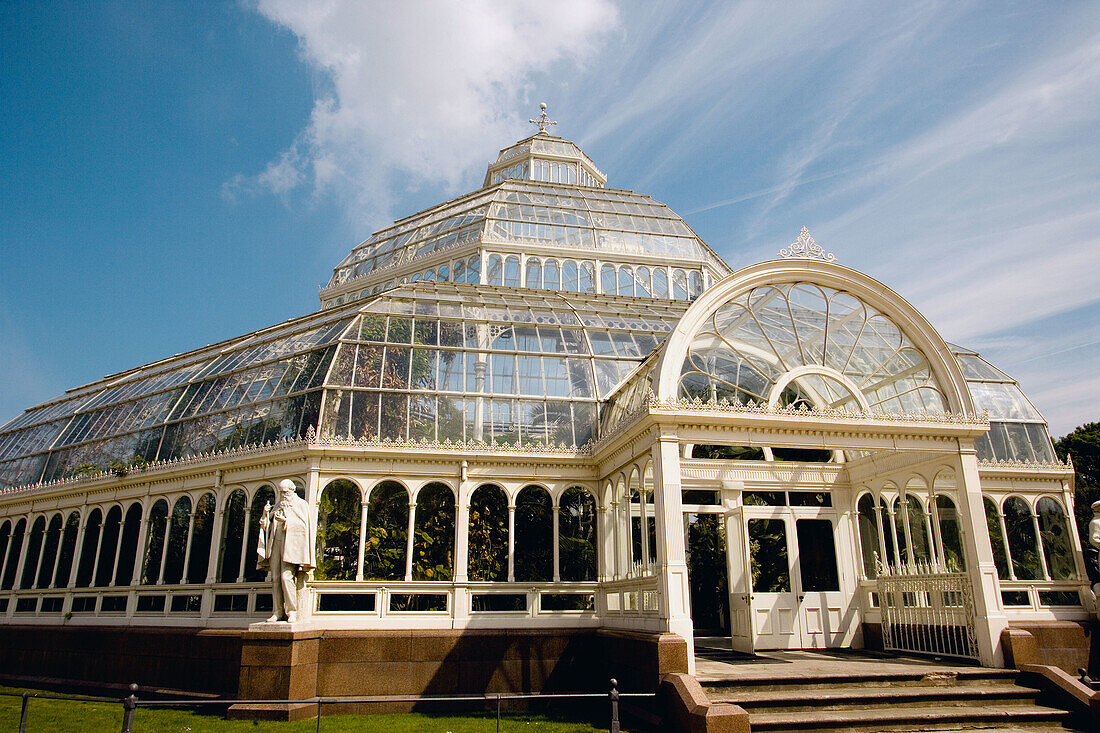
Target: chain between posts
130, 702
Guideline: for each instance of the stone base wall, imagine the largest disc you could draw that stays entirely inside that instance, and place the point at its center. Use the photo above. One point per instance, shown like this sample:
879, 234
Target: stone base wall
302, 664
1068, 645
206, 661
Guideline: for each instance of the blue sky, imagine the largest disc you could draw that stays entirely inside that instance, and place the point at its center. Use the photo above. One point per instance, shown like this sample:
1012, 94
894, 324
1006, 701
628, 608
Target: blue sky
175, 174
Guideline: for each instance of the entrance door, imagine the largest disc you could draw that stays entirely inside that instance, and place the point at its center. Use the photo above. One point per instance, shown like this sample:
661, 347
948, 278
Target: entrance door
796, 599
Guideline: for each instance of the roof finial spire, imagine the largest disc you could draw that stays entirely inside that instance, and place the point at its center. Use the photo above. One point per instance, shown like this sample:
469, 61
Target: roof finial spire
543, 120
805, 246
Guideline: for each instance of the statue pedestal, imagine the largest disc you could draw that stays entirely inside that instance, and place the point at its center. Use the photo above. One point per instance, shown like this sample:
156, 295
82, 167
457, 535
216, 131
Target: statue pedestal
278, 662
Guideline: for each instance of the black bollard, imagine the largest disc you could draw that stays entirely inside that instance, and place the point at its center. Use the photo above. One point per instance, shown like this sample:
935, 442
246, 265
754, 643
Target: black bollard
129, 704
23, 712
613, 695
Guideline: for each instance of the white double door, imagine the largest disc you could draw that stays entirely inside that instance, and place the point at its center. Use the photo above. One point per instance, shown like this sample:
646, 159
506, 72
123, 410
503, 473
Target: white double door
795, 597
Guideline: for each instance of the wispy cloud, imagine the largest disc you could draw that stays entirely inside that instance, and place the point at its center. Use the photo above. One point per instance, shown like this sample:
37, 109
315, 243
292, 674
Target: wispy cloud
420, 92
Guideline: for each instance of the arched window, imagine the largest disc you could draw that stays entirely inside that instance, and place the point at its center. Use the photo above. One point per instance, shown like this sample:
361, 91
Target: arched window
551, 277
5, 537
607, 279
494, 270
868, 535
679, 285
34, 552
339, 512
534, 272
108, 547
473, 269
92, 526
626, 280
570, 281
178, 527
488, 534
434, 533
67, 552
387, 532
233, 536
695, 284
950, 535
996, 538
534, 544
264, 495
660, 282
888, 533
588, 278
644, 282
127, 545
201, 535
443, 273
912, 530
154, 543
1057, 547
511, 272
460, 271
577, 535
1023, 547
50, 545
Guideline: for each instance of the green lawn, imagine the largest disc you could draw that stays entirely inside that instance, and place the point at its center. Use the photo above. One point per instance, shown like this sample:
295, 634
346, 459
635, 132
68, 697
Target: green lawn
61, 716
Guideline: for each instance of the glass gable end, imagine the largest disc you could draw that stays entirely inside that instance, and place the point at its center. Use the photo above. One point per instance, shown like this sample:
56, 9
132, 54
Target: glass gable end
1017, 432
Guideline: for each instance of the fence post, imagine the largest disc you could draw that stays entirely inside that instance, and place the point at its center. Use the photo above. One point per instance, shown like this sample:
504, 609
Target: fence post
129, 704
498, 712
23, 712
613, 695
318, 714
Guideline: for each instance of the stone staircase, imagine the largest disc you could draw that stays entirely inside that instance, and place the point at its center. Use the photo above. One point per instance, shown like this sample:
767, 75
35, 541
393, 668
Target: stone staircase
964, 698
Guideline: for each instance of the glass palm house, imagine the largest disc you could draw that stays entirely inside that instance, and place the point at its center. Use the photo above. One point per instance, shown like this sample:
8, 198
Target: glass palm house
548, 404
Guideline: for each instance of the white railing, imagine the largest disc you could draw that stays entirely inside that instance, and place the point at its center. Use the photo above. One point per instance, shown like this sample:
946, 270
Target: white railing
927, 609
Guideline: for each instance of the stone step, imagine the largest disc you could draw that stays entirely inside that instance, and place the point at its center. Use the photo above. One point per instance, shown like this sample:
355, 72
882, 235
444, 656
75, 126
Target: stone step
903, 718
765, 682
756, 701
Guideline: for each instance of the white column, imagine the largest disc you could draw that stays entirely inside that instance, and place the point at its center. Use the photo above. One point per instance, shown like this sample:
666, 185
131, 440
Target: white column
1004, 542
894, 532
511, 541
187, 545
605, 557
244, 542
139, 551
362, 539
77, 550
990, 619
98, 549
409, 543
462, 534
1039, 544
939, 554
1074, 538
17, 581
217, 542
118, 552
164, 546
883, 557
57, 553
557, 542
672, 568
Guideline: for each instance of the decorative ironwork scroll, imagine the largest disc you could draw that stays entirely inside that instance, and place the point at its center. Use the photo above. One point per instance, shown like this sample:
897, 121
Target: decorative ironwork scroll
806, 247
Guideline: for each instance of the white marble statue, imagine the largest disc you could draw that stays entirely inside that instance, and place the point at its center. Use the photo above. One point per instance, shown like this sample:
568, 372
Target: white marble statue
1094, 537
286, 547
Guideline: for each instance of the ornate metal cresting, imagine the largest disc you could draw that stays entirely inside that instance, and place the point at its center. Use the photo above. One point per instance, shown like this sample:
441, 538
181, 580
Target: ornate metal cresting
927, 609
806, 247
543, 120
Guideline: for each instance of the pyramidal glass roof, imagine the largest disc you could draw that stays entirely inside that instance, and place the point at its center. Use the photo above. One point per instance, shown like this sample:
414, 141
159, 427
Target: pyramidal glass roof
541, 195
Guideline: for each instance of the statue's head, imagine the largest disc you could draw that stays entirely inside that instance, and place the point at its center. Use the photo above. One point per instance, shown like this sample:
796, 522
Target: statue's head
1096, 508
287, 487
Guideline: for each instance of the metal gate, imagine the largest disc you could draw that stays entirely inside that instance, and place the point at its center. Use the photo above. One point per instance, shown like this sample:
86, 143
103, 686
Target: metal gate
927, 610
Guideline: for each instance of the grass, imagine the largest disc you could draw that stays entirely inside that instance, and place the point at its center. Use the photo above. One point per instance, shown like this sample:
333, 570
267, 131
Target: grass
61, 716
